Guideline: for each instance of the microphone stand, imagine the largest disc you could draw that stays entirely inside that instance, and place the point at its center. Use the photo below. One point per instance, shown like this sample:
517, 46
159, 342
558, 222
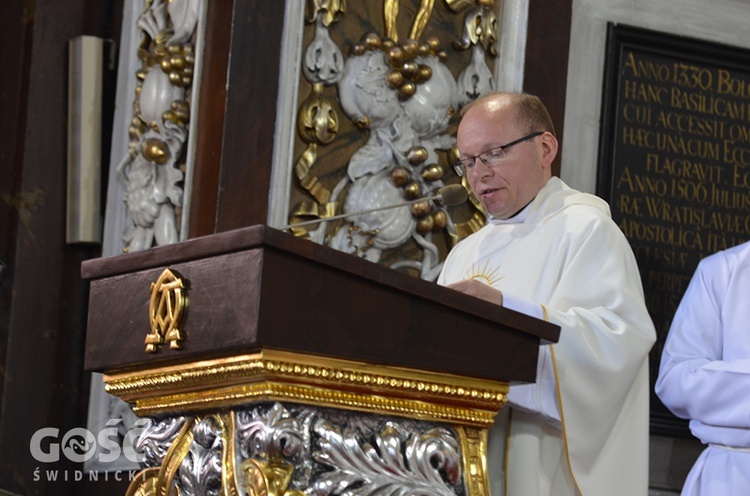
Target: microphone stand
438, 197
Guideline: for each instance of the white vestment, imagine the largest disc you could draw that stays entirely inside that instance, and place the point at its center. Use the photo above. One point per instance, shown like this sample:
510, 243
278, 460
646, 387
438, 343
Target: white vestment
704, 374
582, 428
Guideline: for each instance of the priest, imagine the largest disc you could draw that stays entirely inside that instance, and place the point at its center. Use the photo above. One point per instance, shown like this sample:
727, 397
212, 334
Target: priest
554, 253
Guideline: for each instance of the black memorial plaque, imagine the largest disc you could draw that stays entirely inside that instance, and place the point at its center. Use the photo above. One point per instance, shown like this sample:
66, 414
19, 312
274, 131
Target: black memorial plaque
674, 163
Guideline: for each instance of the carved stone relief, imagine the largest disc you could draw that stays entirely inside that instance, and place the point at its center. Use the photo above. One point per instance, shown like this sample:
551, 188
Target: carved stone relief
384, 82
154, 167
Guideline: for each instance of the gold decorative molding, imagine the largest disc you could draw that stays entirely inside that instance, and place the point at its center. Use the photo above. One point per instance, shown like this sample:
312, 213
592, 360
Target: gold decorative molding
474, 453
264, 478
228, 426
145, 483
165, 312
283, 376
230, 397
422, 18
331, 9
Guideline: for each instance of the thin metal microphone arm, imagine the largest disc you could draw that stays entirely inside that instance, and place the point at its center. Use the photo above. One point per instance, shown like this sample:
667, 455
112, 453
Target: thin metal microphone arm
362, 212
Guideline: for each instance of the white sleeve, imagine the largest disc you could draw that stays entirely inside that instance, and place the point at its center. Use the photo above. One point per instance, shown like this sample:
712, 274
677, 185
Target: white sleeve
695, 380
540, 397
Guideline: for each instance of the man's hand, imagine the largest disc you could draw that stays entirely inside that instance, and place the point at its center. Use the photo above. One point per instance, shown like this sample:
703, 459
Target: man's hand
478, 290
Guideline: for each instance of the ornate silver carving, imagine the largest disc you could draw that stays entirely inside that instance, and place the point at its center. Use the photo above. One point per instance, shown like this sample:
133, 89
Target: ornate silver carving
394, 460
331, 452
200, 471
156, 438
275, 433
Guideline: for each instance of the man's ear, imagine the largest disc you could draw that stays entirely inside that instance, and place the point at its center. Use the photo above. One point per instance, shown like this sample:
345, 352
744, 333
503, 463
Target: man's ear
549, 148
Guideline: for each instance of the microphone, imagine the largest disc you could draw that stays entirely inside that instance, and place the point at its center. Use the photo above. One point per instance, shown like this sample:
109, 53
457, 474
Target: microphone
448, 196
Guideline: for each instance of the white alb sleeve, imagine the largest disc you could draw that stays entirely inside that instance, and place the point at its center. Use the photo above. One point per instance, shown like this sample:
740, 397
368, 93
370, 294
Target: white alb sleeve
539, 398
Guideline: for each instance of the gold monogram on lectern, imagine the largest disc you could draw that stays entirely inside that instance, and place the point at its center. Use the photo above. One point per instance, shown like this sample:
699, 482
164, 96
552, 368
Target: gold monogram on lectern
165, 312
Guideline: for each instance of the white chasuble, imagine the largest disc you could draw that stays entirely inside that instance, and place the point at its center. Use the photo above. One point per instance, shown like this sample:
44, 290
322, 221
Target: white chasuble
582, 427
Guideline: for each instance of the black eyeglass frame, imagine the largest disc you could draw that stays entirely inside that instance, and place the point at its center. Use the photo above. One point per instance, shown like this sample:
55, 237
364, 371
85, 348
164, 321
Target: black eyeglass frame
460, 166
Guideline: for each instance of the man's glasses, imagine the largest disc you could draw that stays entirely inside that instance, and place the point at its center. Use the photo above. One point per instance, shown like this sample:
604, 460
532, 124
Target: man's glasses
491, 157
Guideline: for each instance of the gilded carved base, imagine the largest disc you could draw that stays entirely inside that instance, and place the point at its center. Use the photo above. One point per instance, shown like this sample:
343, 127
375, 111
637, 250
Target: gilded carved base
287, 424
286, 449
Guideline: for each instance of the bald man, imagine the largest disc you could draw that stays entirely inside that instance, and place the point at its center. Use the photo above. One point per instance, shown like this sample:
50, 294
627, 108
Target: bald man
554, 253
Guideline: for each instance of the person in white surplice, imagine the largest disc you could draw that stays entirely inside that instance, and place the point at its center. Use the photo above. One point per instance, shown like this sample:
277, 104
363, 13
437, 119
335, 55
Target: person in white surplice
704, 374
554, 253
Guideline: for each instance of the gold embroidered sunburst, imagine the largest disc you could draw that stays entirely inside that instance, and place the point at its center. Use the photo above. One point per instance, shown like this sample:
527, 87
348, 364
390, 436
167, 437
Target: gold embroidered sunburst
486, 274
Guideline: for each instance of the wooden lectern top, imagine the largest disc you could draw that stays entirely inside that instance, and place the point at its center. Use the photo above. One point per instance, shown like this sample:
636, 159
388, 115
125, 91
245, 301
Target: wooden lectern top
259, 288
